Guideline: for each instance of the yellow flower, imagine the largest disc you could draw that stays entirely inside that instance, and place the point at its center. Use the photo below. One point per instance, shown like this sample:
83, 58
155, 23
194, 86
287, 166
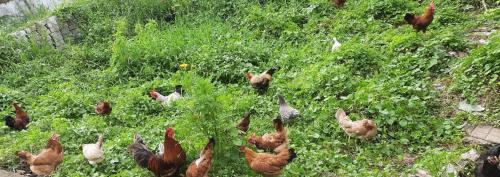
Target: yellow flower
183, 66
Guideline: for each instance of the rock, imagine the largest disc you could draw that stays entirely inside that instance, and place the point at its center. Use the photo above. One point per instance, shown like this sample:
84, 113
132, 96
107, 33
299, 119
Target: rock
470, 108
421, 173
470, 155
450, 170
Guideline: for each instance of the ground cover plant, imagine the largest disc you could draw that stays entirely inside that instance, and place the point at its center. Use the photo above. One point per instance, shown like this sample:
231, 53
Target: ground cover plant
383, 71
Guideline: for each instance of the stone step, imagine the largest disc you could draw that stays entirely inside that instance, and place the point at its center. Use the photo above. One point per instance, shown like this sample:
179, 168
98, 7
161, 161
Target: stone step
483, 134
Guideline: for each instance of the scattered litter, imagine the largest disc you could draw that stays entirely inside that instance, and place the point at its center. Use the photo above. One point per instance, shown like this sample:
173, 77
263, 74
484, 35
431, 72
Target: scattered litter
470, 108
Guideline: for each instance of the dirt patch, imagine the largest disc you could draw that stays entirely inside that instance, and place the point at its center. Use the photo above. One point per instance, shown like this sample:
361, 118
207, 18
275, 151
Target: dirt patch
4, 173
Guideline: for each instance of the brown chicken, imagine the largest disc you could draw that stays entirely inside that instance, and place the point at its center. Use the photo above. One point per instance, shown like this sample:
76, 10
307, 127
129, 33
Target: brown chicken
176, 157
362, 129
420, 23
268, 164
47, 161
103, 108
244, 123
338, 3
201, 166
261, 81
20, 122
270, 141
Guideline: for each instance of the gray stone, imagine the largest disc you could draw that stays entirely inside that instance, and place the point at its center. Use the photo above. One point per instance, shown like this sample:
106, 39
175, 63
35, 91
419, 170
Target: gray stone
52, 24
472, 140
471, 155
494, 136
20, 35
57, 39
481, 131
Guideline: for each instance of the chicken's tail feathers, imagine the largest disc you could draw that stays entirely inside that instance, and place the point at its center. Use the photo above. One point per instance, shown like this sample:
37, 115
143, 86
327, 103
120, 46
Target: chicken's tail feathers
211, 141
9, 121
7, 117
409, 17
293, 155
272, 70
178, 89
100, 140
138, 139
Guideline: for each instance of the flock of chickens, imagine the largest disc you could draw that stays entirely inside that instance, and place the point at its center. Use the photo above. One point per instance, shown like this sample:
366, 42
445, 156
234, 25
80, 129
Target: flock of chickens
171, 157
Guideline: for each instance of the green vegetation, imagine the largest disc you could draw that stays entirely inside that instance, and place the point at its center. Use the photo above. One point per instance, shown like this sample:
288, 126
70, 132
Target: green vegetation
384, 70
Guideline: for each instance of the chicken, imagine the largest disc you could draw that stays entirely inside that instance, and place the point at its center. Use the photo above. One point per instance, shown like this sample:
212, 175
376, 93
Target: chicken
336, 44
174, 156
268, 164
488, 163
94, 152
20, 122
420, 23
271, 141
362, 129
261, 82
287, 113
201, 166
338, 3
47, 161
146, 159
103, 108
244, 123
169, 99
167, 162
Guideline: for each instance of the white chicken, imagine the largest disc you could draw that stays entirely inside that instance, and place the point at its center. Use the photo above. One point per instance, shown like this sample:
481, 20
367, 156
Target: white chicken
167, 100
287, 112
336, 44
94, 152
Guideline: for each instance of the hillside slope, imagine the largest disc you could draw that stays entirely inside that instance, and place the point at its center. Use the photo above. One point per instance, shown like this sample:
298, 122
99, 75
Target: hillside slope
408, 82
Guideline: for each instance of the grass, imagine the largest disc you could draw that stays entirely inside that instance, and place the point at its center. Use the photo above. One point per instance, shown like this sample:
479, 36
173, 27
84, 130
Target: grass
384, 70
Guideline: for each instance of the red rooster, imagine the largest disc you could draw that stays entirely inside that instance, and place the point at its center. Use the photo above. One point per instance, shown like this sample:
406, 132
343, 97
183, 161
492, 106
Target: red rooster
420, 23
